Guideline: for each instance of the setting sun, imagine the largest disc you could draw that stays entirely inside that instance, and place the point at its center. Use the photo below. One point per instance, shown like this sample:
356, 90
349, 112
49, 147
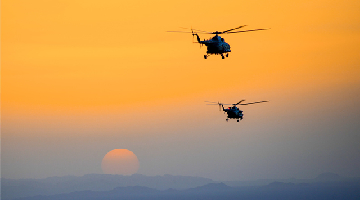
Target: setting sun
120, 161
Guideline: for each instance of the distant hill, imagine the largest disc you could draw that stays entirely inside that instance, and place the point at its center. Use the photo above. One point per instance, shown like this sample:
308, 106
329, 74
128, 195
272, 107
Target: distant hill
219, 191
95, 182
281, 184
212, 187
139, 187
324, 177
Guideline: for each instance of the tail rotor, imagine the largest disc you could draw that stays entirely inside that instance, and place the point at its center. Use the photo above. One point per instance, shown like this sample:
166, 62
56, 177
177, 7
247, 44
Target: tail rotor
221, 105
193, 34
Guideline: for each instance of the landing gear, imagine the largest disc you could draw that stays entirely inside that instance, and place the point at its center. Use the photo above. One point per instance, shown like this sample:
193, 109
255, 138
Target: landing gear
227, 119
238, 120
222, 55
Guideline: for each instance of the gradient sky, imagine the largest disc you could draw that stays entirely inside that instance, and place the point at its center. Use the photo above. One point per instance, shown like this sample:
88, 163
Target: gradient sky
81, 78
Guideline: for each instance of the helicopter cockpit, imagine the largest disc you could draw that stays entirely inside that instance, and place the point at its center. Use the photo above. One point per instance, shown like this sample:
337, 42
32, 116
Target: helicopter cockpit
217, 38
234, 108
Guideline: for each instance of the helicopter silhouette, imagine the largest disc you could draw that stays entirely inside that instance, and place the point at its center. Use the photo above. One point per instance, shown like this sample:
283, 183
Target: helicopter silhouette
233, 112
216, 45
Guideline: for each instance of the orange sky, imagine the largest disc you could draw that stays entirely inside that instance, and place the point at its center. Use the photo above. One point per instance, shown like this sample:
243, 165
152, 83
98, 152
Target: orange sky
83, 59
89, 54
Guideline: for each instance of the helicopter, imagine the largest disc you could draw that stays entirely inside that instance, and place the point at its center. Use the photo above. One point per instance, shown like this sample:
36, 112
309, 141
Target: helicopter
233, 112
216, 45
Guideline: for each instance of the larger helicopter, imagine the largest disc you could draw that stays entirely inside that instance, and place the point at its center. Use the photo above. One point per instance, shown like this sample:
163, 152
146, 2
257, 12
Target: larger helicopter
233, 112
216, 45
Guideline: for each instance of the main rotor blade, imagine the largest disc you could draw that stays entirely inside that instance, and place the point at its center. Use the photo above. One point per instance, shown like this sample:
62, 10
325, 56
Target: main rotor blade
217, 32
239, 102
196, 30
219, 104
244, 104
179, 31
188, 32
234, 28
260, 29
211, 102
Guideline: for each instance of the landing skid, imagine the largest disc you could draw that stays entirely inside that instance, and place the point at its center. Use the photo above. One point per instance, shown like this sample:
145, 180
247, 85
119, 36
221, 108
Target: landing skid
238, 120
222, 56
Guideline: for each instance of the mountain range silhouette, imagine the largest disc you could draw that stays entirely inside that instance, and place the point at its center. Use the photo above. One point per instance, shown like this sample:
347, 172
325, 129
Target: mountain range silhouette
342, 188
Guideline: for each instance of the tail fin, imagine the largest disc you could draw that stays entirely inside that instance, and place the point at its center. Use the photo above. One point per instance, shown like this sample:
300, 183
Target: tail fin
197, 37
220, 106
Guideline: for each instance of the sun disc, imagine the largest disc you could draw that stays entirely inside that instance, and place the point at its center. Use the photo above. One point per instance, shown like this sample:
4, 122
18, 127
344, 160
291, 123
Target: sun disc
120, 161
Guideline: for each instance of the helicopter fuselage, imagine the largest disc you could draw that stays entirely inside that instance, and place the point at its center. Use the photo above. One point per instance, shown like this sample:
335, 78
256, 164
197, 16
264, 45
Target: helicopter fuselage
233, 113
215, 45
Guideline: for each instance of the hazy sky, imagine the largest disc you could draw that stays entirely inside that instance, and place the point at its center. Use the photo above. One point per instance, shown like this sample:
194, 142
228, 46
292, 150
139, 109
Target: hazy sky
81, 78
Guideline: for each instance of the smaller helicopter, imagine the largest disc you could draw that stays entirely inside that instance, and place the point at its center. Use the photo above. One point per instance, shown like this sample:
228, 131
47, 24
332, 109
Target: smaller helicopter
233, 112
216, 45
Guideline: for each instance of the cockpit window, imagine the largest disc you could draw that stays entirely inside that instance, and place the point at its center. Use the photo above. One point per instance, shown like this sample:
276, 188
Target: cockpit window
216, 38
